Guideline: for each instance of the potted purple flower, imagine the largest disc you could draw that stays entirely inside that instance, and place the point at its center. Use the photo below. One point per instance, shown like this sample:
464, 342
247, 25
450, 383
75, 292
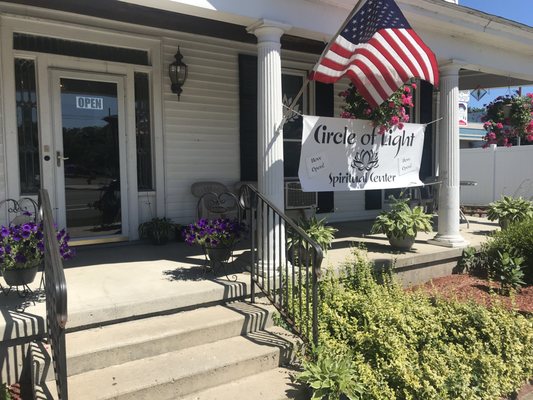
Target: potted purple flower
217, 237
22, 251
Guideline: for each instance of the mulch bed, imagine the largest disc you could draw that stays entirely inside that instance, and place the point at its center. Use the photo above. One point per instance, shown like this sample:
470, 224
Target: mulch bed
466, 287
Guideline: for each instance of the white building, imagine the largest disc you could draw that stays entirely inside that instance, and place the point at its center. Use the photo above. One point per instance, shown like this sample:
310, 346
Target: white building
87, 110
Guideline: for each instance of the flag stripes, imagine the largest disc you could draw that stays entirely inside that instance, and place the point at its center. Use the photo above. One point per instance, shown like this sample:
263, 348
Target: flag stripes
378, 51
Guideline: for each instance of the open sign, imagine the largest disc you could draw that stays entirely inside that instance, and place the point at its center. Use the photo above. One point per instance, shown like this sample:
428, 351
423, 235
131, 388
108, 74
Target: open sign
90, 103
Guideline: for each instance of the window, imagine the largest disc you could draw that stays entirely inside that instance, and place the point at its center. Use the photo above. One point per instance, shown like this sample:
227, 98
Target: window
27, 127
291, 84
72, 48
143, 129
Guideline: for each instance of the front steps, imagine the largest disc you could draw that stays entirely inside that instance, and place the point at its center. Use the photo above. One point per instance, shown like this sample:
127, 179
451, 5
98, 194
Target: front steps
228, 351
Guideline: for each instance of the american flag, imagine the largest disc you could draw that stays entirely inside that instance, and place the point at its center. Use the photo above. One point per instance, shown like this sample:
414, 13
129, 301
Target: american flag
378, 50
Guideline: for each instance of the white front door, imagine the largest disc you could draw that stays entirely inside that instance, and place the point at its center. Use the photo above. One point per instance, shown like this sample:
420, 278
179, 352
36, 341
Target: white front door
89, 156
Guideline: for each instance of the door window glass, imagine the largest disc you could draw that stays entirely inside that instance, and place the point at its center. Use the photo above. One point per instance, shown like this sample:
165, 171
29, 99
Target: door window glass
27, 127
89, 112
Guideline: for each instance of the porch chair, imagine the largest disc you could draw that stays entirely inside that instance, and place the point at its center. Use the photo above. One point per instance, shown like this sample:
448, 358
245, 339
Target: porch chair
215, 200
426, 196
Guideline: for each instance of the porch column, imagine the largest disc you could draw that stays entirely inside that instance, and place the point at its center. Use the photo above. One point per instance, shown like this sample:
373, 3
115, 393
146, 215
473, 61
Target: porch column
269, 109
449, 170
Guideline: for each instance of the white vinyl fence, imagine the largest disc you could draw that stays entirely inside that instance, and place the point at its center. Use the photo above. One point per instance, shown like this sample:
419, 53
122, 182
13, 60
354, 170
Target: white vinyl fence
498, 171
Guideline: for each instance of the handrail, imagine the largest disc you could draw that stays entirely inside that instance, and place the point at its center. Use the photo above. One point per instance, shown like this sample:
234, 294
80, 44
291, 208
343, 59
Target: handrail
285, 263
56, 295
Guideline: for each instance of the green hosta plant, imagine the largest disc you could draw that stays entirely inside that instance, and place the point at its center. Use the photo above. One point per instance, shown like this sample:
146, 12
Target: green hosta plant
319, 231
157, 230
331, 377
510, 209
402, 221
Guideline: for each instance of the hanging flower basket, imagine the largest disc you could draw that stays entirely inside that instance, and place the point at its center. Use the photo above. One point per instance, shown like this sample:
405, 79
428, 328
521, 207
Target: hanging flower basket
509, 118
392, 113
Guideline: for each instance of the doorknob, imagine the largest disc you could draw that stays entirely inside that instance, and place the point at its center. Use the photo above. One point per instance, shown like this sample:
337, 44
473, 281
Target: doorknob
59, 158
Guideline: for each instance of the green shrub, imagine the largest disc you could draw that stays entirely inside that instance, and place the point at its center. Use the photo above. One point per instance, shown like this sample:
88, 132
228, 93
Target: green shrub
517, 239
508, 271
409, 346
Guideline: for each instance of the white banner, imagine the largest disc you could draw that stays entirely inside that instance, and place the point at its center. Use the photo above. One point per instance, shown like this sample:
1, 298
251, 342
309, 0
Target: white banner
341, 154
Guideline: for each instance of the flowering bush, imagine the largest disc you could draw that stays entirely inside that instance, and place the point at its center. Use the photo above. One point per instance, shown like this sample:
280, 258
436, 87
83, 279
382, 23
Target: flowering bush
213, 233
22, 246
390, 114
509, 117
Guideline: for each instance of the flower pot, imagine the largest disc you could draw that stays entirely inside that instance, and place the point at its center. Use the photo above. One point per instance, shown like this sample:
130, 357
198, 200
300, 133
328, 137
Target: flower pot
405, 243
218, 254
159, 240
20, 276
504, 223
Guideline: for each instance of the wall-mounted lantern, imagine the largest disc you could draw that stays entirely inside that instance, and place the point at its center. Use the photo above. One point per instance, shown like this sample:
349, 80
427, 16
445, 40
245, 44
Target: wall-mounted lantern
177, 72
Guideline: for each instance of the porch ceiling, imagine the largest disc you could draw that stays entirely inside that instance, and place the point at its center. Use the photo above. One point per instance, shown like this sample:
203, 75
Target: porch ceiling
469, 80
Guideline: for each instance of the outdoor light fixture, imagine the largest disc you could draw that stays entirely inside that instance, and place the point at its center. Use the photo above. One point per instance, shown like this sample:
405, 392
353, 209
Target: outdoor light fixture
178, 73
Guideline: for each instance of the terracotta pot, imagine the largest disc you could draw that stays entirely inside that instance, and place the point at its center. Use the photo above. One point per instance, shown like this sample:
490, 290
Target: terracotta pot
405, 243
21, 276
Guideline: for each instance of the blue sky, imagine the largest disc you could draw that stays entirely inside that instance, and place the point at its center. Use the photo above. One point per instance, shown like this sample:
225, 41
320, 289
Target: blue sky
516, 10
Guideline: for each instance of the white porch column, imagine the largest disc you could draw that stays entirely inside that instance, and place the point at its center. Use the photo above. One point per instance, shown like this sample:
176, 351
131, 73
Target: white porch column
448, 226
269, 109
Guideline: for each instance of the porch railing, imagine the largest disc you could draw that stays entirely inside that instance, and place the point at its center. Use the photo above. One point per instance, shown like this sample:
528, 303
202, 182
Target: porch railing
285, 263
56, 295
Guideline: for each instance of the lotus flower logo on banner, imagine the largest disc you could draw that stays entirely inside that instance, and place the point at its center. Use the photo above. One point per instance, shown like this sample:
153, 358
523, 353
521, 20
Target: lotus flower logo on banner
365, 160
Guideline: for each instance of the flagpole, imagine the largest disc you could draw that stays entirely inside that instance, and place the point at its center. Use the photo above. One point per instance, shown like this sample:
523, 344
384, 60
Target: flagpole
356, 8
291, 106
286, 113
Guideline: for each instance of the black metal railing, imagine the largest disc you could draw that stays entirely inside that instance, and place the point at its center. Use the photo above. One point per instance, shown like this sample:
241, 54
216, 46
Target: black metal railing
285, 263
56, 295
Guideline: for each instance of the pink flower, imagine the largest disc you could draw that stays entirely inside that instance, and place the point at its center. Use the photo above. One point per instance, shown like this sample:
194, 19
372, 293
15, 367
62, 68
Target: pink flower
367, 111
394, 120
487, 124
382, 130
391, 104
529, 138
499, 125
400, 125
407, 101
413, 85
405, 118
407, 89
346, 114
491, 135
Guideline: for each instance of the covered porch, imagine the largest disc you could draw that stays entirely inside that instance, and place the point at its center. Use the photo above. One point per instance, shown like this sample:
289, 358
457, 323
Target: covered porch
114, 282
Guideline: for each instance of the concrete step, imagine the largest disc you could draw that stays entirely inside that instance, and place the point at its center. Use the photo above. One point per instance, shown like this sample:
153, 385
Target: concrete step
176, 374
275, 384
120, 343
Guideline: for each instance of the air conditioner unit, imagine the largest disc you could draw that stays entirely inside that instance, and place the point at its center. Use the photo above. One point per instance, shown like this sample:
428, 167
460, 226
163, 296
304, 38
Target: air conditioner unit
295, 198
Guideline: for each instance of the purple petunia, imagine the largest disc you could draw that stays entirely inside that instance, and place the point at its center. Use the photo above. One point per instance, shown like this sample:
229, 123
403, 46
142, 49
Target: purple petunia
211, 233
24, 245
